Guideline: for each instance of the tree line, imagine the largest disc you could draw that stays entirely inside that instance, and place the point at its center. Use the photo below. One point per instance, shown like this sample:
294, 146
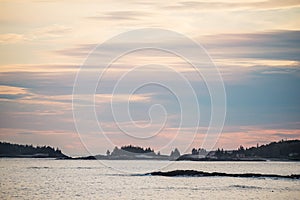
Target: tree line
130, 150
8, 149
283, 149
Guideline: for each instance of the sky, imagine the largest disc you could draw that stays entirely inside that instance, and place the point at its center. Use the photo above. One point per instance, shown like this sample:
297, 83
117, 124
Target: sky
44, 44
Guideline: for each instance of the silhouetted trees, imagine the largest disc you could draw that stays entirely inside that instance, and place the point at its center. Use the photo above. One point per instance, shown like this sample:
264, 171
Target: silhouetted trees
175, 154
282, 149
219, 153
11, 150
199, 151
136, 149
241, 149
131, 150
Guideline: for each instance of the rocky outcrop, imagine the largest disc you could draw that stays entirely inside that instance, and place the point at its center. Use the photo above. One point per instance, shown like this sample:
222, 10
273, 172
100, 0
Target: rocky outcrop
194, 173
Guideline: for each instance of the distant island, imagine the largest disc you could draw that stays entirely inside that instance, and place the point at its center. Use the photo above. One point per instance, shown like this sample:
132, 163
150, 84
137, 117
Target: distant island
130, 152
28, 151
284, 150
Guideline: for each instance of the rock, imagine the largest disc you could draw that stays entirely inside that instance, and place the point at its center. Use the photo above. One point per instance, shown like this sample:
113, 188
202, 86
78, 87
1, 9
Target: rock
194, 173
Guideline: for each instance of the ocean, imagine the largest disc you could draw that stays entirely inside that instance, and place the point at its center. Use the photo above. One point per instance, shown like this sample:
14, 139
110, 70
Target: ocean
26, 178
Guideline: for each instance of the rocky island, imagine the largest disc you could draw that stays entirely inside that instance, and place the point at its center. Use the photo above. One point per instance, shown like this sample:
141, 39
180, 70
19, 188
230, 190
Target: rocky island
194, 173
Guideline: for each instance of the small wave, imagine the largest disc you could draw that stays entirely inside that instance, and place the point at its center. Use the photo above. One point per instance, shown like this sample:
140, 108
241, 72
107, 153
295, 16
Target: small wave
246, 186
84, 168
38, 167
119, 175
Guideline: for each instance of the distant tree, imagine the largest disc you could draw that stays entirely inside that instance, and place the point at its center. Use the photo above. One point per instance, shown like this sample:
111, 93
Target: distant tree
202, 151
218, 153
241, 148
195, 151
115, 152
130, 150
175, 154
108, 153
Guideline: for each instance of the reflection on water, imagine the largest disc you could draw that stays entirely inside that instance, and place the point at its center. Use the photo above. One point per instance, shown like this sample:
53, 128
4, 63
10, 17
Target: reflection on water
89, 179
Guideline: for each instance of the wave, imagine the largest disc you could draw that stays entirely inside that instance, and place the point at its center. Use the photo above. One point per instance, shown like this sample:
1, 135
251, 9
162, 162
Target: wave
245, 187
194, 173
38, 167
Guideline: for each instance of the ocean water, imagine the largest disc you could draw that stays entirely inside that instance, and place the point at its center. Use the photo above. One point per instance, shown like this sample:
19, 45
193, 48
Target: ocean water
92, 179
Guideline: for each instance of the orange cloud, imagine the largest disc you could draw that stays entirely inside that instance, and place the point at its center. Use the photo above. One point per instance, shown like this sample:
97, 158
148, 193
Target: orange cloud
11, 38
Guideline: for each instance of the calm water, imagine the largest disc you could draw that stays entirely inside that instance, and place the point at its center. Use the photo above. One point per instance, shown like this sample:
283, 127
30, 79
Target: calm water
91, 179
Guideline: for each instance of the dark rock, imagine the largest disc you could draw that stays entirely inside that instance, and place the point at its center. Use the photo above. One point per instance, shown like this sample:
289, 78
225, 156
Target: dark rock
195, 173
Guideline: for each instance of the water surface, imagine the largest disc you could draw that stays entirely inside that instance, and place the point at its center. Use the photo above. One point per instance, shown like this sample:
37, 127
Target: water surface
91, 179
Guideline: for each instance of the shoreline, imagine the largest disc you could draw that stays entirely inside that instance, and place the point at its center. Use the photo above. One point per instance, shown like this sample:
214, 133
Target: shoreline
155, 159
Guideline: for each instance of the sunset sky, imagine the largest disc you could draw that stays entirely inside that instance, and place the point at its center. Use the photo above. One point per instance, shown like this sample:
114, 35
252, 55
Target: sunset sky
254, 44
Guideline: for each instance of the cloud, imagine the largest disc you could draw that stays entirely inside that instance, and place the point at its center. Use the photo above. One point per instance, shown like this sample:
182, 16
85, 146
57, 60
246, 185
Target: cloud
48, 32
52, 31
80, 50
39, 68
11, 38
230, 5
261, 71
25, 133
275, 45
11, 92
43, 83
121, 16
